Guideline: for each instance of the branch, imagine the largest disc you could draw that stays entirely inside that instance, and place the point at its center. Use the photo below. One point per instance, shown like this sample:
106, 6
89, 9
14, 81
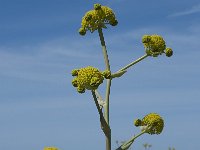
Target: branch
99, 99
118, 74
133, 63
104, 126
103, 44
127, 144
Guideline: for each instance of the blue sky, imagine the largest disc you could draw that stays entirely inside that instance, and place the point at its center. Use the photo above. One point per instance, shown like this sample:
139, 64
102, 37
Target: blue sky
39, 46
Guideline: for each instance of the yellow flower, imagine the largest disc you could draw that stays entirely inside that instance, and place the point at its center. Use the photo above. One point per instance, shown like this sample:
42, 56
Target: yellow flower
87, 78
151, 123
96, 18
154, 123
50, 148
154, 45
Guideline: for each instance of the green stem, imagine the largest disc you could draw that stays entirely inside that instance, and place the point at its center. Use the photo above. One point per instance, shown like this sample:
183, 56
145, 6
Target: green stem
133, 63
104, 126
99, 99
106, 108
127, 144
104, 48
97, 104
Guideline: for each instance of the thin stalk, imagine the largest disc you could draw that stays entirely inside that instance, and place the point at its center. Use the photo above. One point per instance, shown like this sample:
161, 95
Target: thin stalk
127, 144
104, 48
133, 63
99, 99
98, 95
97, 104
104, 126
106, 114
106, 108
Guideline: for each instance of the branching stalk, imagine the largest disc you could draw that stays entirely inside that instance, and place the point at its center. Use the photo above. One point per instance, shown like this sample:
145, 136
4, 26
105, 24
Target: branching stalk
133, 63
127, 144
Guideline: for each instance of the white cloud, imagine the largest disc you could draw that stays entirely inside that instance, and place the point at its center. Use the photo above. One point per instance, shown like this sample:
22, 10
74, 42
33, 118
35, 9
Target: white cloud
194, 9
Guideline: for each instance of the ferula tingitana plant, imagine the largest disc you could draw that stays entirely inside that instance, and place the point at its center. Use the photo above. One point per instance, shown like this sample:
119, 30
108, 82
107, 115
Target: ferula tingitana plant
90, 78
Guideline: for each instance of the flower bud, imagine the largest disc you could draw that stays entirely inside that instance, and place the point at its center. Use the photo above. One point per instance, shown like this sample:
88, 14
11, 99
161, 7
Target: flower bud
82, 31
106, 74
146, 39
137, 122
168, 52
74, 82
97, 6
75, 72
113, 23
80, 89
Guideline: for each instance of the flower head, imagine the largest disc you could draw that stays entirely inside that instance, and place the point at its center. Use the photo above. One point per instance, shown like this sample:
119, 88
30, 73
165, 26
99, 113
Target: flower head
87, 78
154, 122
96, 18
154, 45
151, 123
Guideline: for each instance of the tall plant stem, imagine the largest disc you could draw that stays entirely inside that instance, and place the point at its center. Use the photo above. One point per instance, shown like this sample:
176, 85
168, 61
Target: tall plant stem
106, 108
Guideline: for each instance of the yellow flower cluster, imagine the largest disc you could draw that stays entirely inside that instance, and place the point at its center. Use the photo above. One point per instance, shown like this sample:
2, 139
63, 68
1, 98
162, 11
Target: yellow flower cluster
88, 78
155, 45
50, 148
96, 18
152, 122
